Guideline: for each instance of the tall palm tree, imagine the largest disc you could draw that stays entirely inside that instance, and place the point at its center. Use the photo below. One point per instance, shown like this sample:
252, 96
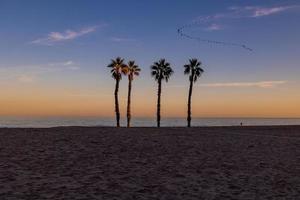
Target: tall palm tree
160, 70
132, 70
117, 68
194, 70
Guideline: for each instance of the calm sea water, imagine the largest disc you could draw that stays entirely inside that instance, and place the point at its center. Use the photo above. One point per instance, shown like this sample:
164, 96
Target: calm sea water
139, 122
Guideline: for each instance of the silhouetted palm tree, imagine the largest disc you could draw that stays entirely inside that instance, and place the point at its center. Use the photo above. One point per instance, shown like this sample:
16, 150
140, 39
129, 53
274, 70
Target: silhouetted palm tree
194, 70
132, 70
118, 68
160, 70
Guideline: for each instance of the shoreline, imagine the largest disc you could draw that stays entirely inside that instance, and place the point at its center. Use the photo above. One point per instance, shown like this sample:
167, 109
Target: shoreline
162, 127
141, 122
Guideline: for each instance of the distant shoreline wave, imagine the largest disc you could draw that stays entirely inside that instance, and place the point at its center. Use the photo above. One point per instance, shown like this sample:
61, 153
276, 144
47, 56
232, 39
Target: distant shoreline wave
47, 122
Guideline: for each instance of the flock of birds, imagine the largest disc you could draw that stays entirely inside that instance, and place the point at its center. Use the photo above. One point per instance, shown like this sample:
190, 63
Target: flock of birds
182, 33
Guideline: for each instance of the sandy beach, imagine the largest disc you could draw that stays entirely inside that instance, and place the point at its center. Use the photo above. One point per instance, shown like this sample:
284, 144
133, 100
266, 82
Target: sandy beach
150, 163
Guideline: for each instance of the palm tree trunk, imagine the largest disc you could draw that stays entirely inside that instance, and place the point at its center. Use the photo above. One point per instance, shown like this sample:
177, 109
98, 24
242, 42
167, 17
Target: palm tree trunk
189, 117
129, 101
158, 103
117, 103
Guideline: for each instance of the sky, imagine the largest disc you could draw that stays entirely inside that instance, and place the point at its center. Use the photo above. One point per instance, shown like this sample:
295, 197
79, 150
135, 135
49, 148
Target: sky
53, 57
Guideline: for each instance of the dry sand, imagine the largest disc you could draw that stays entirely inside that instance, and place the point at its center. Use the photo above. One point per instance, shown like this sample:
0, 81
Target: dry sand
150, 163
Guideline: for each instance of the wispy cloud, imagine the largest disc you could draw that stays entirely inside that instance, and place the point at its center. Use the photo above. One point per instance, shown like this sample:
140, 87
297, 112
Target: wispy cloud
217, 21
261, 11
261, 84
67, 35
235, 12
214, 27
31, 73
120, 39
67, 65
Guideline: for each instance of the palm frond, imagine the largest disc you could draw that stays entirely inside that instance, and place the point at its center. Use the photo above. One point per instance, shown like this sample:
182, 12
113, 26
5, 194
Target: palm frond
154, 67
117, 66
187, 69
161, 70
193, 69
132, 69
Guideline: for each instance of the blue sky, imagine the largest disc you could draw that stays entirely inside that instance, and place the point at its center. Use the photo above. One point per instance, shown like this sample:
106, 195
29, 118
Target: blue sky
67, 44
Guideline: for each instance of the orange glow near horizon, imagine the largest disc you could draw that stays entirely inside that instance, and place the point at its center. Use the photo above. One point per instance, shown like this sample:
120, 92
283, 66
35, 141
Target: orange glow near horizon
207, 102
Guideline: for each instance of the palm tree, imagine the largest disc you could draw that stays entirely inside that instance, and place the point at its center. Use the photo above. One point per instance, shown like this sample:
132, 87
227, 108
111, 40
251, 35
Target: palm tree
131, 70
160, 70
194, 70
117, 68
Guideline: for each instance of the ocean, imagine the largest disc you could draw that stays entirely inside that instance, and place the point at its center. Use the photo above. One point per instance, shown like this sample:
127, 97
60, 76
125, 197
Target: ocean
44, 122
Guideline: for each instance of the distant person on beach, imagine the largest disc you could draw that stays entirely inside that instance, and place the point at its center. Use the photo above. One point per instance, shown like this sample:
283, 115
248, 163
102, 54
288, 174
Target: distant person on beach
241, 123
